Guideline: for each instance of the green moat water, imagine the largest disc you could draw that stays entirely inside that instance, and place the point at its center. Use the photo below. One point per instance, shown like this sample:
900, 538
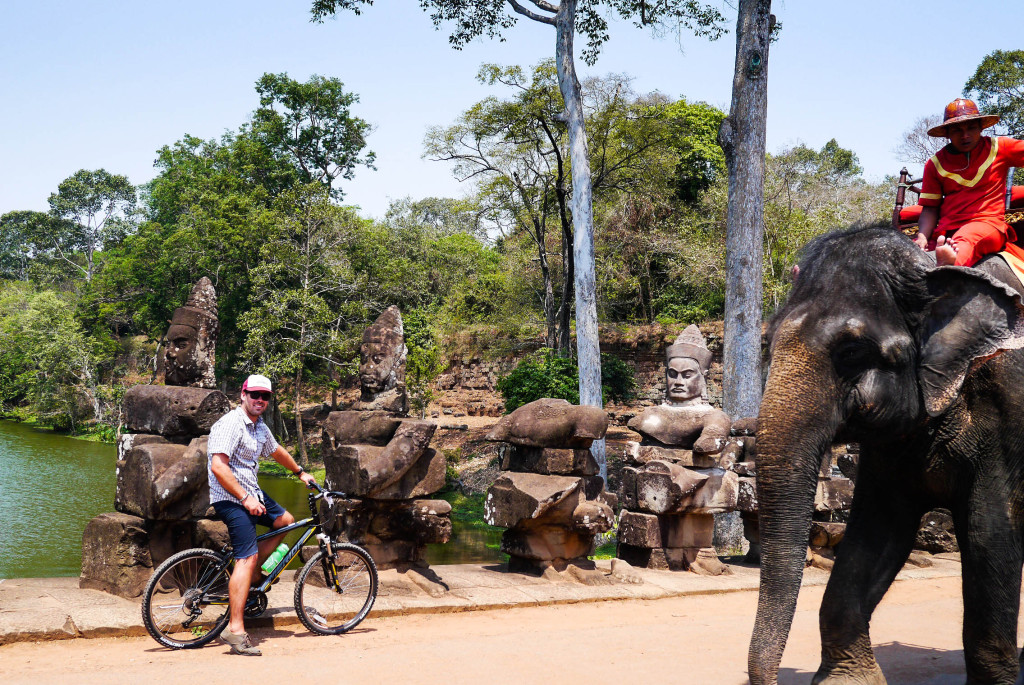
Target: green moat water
52, 485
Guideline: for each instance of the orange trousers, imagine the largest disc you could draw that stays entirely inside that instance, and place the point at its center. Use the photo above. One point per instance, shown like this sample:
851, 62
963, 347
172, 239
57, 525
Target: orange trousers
977, 238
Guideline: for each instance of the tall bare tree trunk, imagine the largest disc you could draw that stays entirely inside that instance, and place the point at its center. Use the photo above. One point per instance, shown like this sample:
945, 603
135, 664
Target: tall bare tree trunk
588, 347
568, 273
742, 137
300, 436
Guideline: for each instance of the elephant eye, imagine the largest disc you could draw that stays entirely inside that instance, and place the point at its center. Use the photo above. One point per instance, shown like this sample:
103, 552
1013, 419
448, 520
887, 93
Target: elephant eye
852, 357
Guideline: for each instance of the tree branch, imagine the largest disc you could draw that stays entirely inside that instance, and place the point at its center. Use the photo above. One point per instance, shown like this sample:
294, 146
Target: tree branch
533, 15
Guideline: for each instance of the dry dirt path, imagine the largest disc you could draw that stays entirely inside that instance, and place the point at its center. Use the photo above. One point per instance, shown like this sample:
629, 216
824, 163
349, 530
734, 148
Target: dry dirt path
701, 639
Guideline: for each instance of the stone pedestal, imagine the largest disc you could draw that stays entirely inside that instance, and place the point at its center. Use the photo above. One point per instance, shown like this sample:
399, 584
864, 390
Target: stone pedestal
384, 465
120, 551
548, 495
162, 496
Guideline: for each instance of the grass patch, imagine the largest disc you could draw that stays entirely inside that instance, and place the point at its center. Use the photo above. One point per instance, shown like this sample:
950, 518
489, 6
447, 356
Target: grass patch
468, 510
272, 468
605, 551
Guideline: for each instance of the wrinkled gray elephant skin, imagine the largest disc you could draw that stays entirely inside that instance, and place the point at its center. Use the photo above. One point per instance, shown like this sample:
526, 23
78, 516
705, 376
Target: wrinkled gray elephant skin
922, 366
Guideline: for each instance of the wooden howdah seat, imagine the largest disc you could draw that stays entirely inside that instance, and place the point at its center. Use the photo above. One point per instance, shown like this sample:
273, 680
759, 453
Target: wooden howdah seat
905, 218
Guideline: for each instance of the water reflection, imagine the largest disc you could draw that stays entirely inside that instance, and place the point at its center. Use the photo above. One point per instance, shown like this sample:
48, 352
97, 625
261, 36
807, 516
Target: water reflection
52, 485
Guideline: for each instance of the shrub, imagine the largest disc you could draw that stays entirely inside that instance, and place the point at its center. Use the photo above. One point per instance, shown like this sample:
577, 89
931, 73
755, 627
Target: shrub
548, 375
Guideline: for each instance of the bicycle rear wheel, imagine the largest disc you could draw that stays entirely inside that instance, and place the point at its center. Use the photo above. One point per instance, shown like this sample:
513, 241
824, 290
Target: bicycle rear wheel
333, 594
185, 603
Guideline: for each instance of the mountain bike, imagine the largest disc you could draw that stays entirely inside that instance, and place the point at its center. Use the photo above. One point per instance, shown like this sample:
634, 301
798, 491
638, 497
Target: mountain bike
185, 604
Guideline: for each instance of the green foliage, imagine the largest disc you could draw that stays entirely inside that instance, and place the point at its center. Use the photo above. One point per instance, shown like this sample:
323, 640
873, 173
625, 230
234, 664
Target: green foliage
451, 472
423, 362
311, 125
998, 87
695, 139
543, 375
471, 19
548, 375
97, 209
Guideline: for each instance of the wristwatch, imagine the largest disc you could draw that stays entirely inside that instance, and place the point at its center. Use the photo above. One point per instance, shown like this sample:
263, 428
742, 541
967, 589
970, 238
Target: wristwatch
299, 472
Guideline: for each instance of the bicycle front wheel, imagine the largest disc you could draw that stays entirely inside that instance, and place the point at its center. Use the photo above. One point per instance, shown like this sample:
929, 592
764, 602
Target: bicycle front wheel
334, 593
185, 603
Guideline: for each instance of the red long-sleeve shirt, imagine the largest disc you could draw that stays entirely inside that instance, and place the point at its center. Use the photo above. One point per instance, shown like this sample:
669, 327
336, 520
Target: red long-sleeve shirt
971, 186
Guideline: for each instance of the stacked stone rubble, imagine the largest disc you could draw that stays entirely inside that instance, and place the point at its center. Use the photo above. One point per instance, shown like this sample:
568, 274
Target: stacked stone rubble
162, 497
382, 460
669, 498
384, 465
549, 496
832, 498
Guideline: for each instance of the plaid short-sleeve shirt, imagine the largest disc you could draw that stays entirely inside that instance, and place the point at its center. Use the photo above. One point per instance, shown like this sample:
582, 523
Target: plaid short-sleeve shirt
245, 442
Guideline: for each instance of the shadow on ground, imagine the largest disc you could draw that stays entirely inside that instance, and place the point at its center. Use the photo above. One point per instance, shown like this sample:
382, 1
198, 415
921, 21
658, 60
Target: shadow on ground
904, 664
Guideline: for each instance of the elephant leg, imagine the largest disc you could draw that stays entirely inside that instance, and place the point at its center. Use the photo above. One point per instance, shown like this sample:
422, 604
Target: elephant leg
990, 549
878, 539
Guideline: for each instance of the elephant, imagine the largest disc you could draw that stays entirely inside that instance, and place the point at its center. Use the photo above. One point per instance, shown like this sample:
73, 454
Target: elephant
923, 366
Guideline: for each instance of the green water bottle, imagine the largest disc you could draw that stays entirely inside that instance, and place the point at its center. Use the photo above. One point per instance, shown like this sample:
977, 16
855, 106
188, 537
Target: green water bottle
275, 558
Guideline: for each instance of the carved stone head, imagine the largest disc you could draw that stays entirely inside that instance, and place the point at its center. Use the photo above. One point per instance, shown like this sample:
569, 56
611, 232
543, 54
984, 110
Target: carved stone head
192, 339
686, 363
382, 364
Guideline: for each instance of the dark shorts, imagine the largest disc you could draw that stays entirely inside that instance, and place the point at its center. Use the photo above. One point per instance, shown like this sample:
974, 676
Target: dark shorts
242, 525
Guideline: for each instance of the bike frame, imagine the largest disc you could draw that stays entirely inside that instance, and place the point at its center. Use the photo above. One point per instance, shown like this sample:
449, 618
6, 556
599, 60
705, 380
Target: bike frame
295, 549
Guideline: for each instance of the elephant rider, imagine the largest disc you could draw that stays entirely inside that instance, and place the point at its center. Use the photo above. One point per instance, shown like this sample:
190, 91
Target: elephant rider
963, 188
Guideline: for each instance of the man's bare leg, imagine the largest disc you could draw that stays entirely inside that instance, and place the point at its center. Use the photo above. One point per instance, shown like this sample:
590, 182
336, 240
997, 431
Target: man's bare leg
266, 547
238, 592
945, 252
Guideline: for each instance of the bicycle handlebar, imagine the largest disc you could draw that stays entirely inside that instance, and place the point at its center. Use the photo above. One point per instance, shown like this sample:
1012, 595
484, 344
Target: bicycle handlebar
313, 485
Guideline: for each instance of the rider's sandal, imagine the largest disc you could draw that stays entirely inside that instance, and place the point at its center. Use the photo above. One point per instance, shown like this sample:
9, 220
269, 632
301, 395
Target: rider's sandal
240, 644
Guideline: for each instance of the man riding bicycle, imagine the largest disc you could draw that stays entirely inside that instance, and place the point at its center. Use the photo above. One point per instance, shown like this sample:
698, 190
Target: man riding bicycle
237, 442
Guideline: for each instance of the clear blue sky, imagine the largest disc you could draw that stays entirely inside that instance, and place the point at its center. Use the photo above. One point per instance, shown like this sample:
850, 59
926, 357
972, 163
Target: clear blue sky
106, 84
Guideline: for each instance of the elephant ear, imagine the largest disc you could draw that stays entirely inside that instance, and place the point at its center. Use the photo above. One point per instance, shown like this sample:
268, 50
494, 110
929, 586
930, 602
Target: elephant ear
971, 318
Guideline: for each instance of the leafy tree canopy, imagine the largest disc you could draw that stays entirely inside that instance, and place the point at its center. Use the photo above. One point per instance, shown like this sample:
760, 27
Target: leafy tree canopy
998, 88
475, 18
312, 124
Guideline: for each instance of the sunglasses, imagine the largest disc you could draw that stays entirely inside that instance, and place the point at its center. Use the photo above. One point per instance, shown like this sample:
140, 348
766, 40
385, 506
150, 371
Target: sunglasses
257, 395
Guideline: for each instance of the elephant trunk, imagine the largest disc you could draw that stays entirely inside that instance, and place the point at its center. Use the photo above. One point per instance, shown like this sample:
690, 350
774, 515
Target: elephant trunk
797, 423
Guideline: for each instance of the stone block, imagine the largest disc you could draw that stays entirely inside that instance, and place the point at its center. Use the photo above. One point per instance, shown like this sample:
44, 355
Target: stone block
173, 411
700, 427
688, 530
361, 469
551, 423
115, 555
658, 558
717, 494
397, 554
127, 441
547, 460
826, 534
937, 533
642, 454
358, 428
746, 497
731, 454
546, 543
593, 517
425, 477
419, 521
744, 426
164, 481
638, 529
211, 534
627, 488
662, 486
515, 497
833, 495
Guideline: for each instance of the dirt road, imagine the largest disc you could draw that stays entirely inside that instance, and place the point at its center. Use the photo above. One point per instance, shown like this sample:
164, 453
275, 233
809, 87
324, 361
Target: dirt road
703, 639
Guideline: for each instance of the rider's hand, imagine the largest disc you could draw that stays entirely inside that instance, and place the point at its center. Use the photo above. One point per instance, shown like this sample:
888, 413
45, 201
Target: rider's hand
921, 241
253, 506
307, 478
